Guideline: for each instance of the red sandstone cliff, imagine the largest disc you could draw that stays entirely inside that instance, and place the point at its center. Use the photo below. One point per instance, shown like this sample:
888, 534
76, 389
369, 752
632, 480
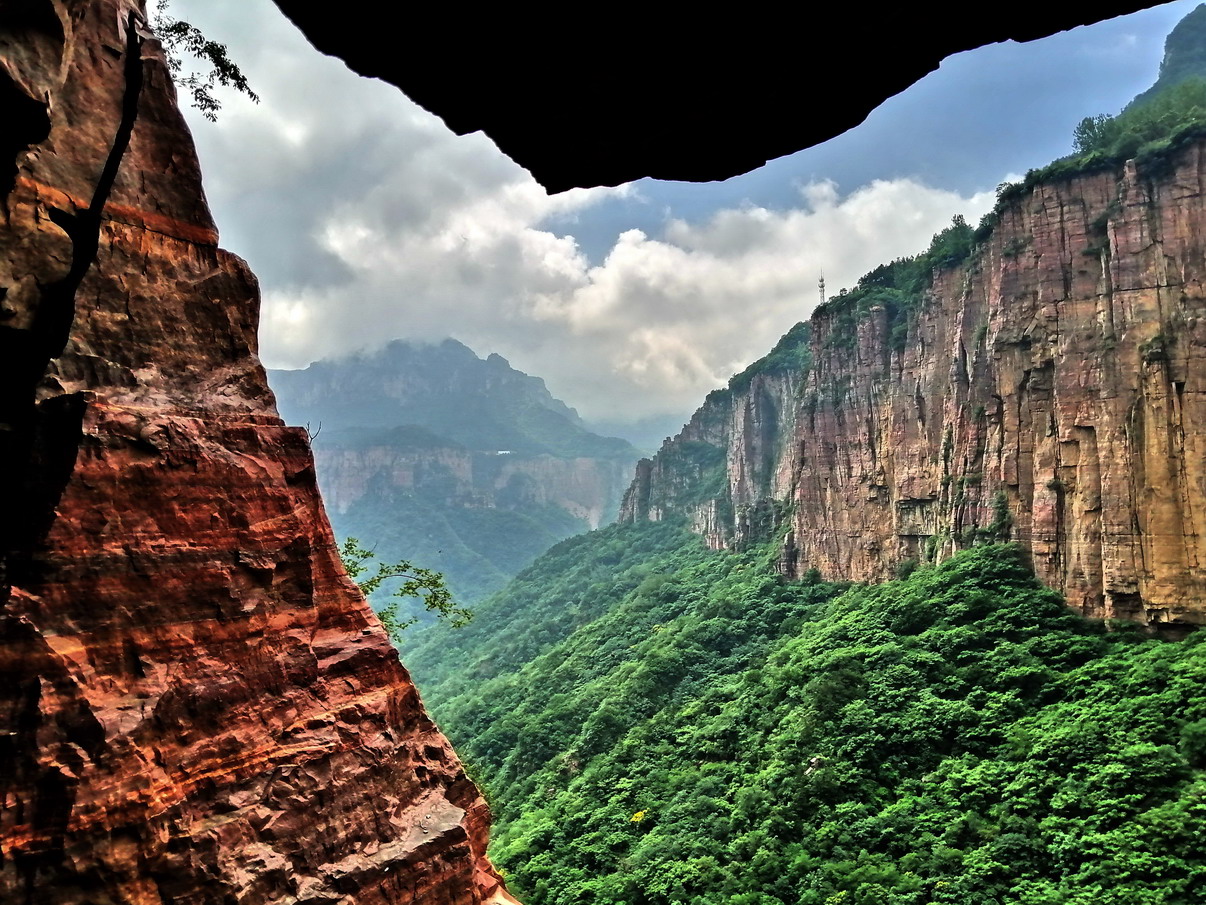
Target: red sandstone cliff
1051, 391
196, 705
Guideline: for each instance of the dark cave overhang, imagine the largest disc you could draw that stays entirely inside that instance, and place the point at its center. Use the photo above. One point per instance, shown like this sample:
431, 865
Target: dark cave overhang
665, 93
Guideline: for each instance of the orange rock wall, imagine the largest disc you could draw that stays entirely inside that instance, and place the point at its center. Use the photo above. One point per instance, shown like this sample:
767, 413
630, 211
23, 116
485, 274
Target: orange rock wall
196, 704
1050, 391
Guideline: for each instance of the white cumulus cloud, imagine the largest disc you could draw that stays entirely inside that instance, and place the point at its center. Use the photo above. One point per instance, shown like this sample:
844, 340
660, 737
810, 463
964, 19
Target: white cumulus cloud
655, 326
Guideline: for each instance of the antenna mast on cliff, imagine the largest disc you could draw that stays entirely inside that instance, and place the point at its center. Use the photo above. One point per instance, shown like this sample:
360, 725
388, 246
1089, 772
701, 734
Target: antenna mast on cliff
821, 286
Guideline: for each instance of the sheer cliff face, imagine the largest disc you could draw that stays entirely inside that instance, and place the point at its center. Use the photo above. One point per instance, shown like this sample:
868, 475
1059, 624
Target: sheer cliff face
1050, 391
195, 703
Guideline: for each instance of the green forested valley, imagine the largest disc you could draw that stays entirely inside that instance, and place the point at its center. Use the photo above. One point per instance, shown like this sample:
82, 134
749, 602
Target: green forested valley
659, 723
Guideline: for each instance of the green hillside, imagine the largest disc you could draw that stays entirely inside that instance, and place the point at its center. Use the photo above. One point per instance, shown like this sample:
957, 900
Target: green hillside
667, 724
478, 549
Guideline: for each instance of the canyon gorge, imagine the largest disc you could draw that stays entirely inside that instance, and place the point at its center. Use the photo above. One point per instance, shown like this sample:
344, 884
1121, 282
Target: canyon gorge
196, 703
1048, 390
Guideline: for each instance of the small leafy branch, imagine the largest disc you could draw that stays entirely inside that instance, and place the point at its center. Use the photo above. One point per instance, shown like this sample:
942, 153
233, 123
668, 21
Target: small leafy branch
179, 37
426, 584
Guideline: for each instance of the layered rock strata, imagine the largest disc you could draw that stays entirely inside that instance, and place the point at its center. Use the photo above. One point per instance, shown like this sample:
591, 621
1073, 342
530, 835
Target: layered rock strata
196, 705
1049, 391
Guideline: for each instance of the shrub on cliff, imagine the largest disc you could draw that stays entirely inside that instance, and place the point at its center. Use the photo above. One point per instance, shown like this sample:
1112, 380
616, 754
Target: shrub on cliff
898, 288
181, 39
1143, 127
414, 582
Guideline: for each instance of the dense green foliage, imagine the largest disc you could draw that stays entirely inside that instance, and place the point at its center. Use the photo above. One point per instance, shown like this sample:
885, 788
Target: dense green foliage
1145, 128
573, 584
477, 549
690, 728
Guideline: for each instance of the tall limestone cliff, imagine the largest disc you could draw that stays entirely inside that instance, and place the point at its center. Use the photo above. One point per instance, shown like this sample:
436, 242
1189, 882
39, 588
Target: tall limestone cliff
1049, 390
196, 704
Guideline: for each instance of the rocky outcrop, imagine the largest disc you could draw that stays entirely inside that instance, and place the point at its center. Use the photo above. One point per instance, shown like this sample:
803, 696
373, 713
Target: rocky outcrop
728, 469
196, 705
1049, 391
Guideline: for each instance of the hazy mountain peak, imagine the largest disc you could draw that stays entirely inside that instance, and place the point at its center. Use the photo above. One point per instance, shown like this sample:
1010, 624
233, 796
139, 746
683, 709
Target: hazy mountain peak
446, 389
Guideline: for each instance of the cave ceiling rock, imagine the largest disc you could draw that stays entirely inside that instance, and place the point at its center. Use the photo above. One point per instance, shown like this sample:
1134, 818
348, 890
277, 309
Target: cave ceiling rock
660, 91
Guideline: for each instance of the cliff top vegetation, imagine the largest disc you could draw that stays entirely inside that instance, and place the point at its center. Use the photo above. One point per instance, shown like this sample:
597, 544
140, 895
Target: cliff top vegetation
1151, 130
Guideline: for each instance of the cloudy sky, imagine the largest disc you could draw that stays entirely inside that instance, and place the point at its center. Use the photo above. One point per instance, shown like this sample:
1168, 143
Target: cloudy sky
367, 220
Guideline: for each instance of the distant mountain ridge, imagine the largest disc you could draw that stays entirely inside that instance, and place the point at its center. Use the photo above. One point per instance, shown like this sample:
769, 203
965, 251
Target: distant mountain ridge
462, 464
1184, 55
444, 388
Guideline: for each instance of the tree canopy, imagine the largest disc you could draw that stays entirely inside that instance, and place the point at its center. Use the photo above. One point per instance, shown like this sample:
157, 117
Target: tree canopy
183, 38
425, 584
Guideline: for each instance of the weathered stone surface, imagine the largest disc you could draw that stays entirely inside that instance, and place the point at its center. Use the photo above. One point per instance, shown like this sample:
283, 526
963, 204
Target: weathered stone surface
1050, 391
196, 705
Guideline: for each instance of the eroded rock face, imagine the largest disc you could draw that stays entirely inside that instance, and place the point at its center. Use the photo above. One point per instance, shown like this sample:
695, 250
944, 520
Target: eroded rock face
196, 705
1050, 391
